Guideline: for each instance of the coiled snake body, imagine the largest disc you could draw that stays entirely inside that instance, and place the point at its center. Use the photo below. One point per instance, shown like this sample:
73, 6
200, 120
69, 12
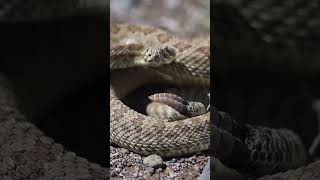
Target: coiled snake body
143, 134
277, 37
25, 151
260, 148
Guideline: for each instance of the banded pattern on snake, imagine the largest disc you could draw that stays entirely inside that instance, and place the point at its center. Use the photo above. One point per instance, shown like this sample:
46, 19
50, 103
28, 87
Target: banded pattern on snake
143, 134
260, 147
25, 151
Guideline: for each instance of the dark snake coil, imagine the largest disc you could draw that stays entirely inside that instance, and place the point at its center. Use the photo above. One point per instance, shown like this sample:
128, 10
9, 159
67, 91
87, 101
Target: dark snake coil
260, 150
25, 151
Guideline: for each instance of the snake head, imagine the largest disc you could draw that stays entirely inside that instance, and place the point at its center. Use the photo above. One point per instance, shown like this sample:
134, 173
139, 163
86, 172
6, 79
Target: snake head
159, 56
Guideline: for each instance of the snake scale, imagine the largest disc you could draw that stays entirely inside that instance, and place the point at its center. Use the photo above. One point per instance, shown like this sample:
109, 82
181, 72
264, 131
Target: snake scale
143, 134
262, 148
13, 125
280, 36
25, 151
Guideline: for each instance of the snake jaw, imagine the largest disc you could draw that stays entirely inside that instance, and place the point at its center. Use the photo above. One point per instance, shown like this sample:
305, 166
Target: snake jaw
158, 56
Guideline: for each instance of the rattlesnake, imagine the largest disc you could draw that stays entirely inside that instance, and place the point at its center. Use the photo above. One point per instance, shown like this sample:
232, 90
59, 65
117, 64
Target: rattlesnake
144, 134
261, 148
25, 151
273, 38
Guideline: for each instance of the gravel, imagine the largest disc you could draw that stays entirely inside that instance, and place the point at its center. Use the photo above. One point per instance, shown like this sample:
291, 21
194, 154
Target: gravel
129, 165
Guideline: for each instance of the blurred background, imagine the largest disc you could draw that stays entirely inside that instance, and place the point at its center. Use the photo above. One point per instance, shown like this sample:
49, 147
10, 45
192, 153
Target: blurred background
182, 18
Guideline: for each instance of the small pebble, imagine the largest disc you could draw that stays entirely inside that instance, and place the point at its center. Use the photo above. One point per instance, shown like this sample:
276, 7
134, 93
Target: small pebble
150, 171
172, 174
173, 160
117, 169
138, 160
159, 170
135, 174
196, 167
113, 162
124, 151
114, 155
153, 161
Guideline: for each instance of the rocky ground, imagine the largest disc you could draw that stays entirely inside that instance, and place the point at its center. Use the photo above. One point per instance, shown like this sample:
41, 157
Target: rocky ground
129, 165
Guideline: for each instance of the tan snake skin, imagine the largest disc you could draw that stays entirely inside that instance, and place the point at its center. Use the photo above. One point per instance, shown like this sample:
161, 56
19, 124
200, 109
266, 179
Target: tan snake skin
143, 134
142, 54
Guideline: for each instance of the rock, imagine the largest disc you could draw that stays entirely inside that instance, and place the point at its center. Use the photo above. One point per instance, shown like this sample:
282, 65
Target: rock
196, 167
150, 171
124, 151
137, 160
154, 161
182, 160
173, 160
135, 174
